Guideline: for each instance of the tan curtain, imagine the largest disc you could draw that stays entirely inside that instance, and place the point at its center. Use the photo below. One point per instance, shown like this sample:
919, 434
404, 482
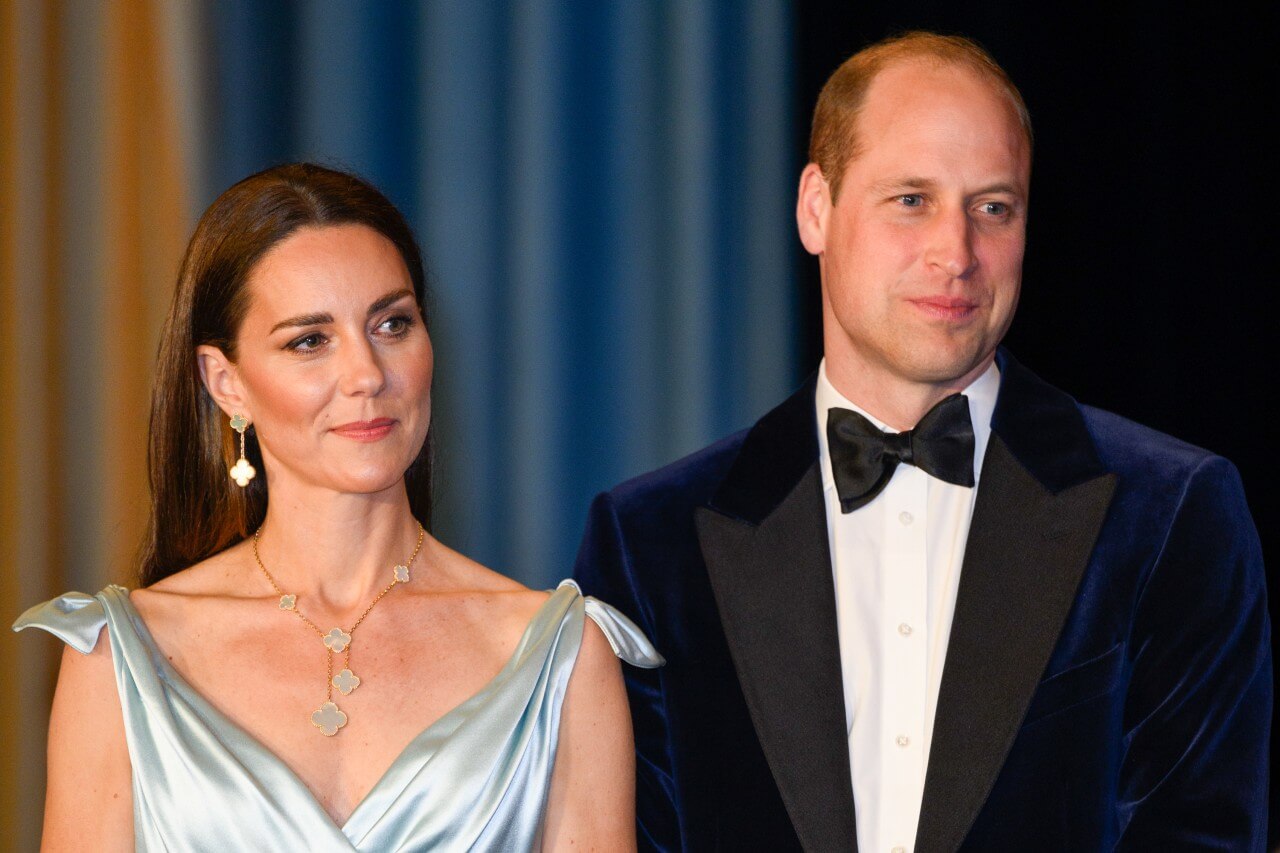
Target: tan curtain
94, 212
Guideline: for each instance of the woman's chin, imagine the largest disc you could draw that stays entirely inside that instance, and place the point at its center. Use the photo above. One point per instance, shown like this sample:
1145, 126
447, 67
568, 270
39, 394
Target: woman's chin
370, 482
351, 482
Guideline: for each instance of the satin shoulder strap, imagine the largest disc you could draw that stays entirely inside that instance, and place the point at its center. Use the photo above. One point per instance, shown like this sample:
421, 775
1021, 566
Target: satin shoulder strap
627, 641
74, 618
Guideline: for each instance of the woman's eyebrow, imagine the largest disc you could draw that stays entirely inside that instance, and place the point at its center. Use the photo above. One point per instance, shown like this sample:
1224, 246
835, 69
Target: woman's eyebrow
389, 299
302, 320
319, 319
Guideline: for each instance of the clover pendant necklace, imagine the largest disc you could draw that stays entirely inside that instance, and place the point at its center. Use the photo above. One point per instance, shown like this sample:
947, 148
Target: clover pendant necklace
328, 718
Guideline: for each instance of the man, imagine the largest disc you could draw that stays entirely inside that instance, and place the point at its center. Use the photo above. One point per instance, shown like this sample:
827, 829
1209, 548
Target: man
930, 602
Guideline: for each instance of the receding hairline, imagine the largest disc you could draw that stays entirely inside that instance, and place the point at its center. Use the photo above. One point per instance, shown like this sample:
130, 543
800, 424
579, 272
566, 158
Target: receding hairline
833, 141
991, 83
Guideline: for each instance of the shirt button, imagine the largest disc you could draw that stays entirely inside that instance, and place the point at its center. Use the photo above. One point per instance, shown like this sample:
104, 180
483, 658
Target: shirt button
904, 629
906, 517
902, 740
898, 849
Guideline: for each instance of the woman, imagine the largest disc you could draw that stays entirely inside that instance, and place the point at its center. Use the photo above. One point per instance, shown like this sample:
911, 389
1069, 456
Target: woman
305, 667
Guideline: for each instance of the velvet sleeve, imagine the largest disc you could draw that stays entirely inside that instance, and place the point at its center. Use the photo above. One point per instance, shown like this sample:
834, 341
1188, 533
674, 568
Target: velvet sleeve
604, 570
1197, 717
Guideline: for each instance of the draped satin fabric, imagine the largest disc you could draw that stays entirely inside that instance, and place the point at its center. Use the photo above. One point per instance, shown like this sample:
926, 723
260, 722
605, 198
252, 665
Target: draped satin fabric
476, 779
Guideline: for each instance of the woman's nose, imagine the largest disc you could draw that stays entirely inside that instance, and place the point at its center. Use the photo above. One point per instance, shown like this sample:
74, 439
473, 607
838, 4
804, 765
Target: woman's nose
362, 371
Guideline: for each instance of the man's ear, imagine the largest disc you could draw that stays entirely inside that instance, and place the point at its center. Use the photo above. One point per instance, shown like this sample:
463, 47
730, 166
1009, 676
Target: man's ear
222, 380
813, 209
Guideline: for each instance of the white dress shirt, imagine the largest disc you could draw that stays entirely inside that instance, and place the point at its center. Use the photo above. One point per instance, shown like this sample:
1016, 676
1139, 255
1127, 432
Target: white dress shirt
896, 563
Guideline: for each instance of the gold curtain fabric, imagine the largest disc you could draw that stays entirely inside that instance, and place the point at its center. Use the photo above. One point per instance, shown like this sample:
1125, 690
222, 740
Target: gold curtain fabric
93, 216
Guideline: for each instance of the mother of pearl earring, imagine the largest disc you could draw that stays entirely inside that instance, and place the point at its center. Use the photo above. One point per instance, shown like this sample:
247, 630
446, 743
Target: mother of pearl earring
242, 472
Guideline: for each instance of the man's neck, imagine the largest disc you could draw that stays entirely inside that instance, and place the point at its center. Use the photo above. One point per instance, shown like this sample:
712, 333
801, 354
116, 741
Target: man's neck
894, 400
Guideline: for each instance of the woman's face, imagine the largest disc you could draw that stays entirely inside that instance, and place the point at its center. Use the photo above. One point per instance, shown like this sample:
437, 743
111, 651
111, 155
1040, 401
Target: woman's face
333, 361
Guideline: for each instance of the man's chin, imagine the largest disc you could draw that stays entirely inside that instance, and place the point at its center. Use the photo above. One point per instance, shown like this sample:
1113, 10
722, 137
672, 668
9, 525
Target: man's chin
955, 369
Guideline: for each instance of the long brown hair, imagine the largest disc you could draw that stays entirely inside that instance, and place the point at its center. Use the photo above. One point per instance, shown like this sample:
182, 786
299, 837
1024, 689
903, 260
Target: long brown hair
196, 509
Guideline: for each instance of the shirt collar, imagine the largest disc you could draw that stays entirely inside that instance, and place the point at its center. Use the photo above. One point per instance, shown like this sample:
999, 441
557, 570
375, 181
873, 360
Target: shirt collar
982, 393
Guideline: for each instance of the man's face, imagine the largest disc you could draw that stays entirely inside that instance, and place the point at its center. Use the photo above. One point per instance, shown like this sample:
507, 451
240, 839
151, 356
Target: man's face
921, 255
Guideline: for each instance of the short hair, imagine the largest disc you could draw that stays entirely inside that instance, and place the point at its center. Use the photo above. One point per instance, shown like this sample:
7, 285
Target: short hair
833, 140
195, 511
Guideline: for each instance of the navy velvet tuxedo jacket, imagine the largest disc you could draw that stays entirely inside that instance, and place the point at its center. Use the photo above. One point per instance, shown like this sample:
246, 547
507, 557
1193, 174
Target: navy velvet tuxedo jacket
1107, 683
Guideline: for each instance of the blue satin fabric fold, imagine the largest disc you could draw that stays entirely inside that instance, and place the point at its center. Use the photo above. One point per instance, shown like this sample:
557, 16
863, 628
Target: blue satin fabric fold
476, 779
74, 618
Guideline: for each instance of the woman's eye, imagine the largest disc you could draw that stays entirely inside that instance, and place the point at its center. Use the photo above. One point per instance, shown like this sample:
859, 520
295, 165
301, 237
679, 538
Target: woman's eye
397, 325
307, 343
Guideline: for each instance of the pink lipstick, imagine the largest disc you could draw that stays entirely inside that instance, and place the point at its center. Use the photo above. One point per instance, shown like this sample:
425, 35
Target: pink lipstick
373, 430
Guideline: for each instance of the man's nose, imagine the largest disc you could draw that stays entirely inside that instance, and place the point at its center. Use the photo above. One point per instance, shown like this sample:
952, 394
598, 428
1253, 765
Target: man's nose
362, 370
951, 244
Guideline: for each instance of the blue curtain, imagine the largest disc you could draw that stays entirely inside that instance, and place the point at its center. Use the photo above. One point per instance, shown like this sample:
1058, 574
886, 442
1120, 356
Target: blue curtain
604, 194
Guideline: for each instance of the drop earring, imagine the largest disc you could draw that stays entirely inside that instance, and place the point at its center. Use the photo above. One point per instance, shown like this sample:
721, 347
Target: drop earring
242, 472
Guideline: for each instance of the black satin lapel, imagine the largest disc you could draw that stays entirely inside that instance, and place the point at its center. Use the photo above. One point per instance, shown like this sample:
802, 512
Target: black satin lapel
776, 597
1027, 550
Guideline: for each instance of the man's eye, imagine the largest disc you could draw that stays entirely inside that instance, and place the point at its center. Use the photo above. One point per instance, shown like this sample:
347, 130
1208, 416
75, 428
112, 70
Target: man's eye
994, 208
911, 200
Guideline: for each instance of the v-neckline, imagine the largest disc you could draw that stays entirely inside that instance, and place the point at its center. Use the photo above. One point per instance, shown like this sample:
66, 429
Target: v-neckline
176, 679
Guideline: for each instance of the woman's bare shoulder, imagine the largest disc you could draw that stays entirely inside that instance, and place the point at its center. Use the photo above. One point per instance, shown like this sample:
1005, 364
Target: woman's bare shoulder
219, 574
180, 601
88, 757
482, 594
86, 700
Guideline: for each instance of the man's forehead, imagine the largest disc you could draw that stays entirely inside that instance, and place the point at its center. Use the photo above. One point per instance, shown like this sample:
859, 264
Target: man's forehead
918, 183
927, 84
916, 79
915, 102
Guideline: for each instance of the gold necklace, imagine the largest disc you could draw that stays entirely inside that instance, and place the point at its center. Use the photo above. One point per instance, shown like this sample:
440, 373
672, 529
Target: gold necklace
328, 718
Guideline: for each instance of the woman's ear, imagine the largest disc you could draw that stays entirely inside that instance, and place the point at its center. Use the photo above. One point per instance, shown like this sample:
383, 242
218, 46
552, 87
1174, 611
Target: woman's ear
222, 381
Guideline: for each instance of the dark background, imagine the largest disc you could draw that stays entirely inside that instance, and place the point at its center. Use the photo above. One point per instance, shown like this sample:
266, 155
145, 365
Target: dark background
1151, 248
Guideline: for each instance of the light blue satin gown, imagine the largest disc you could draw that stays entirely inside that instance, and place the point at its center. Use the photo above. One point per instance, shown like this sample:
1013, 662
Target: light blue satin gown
476, 779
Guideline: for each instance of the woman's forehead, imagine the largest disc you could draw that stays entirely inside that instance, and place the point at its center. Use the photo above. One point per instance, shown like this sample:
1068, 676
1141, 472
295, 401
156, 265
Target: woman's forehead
331, 268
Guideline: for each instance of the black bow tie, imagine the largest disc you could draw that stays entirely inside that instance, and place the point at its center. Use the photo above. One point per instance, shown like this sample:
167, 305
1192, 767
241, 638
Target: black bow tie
863, 458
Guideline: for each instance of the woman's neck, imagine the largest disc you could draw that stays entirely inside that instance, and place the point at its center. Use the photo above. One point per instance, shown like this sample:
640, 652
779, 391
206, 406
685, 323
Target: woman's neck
337, 549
